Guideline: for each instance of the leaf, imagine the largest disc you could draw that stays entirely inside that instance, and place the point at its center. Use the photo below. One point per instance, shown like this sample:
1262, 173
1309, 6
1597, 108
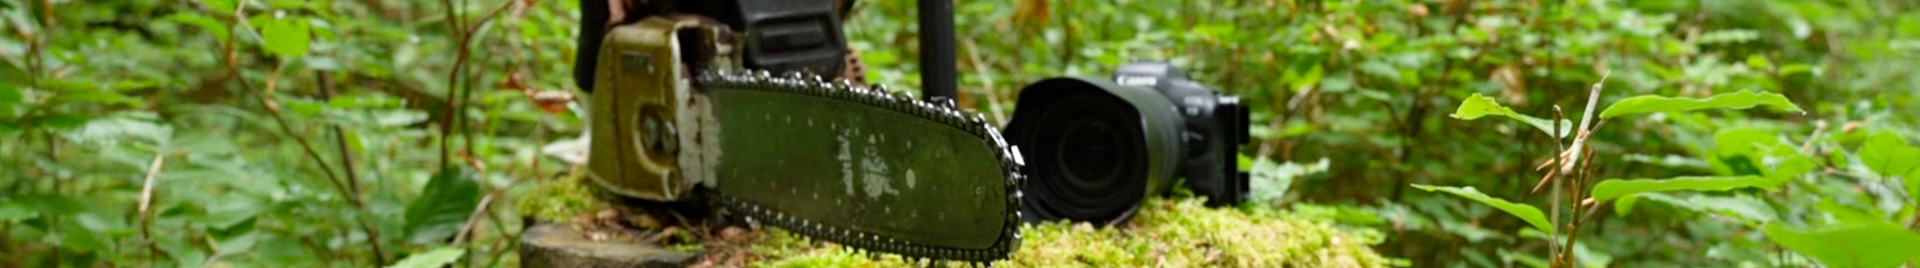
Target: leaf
1728, 36
287, 37
1271, 181
16, 212
435, 258
1858, 245
1888, 154
1478, 106
1526, 212
74, 236
52, 204
221, 6
443, 205
1625, 205
218, 30
1740, 100
1749, 210
1615, 188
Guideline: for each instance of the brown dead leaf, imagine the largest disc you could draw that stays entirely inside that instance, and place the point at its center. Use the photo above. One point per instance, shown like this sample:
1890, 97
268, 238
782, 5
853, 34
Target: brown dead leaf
1031, 13
553, 101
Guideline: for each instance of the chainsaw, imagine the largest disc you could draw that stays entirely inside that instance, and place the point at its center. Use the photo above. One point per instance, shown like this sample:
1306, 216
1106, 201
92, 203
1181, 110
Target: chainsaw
747, 106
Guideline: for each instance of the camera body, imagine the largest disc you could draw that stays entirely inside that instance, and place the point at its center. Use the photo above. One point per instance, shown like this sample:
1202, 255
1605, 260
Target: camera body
1097, 148
1215, 126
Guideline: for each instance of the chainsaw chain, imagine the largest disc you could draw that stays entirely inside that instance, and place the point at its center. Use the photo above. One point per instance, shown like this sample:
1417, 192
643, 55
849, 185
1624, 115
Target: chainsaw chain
876, 96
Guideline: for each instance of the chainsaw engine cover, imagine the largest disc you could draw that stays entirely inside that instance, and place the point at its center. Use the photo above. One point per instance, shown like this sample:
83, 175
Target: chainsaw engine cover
645, 112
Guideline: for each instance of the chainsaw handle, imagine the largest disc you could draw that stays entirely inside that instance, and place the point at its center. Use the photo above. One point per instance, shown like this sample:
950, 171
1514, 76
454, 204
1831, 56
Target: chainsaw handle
939, 79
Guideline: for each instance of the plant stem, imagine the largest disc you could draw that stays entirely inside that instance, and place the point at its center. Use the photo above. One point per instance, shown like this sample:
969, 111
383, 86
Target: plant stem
146, 202
453, 81
1593, 100
339, 135
457, 98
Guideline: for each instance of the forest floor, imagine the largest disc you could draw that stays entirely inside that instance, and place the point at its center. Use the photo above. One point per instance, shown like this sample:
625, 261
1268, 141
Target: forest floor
1167, 232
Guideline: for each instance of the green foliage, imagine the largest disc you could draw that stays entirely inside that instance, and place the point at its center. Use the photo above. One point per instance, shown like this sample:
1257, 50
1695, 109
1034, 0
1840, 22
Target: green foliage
1858, 245
438, 257
1614, 188
1270, 182
443, 207
1525, 212
1887, 154
1737, 100
1477, 106
287, 37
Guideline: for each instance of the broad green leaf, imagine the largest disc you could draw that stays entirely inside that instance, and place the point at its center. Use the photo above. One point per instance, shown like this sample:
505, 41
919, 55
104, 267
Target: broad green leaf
1858, 245
218, 30
444, 205
1270, 181
1625, 204
1737, 100
287, 37
10, 93
1526, 212
221, 6
1478, 106
15, 212
282, 251
1888, 154
1746, 208
1846, 214
435, 258
72, 235
1744, 151
1615, 188
47, 204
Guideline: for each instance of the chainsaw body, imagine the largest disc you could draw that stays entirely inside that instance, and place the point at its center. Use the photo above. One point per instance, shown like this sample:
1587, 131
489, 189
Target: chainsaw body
738, 104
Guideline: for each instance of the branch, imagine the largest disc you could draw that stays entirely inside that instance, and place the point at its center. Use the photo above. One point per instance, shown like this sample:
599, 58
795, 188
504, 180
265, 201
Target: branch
339, 135
146, 202
993, 95
1593, 100
273, 108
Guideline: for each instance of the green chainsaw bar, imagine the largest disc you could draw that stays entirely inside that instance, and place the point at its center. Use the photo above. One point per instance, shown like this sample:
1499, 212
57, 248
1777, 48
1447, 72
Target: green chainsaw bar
830, 160
863, 168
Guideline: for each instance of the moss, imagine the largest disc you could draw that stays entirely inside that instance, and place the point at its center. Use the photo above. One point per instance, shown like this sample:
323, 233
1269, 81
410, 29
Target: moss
559, 200
1166, 233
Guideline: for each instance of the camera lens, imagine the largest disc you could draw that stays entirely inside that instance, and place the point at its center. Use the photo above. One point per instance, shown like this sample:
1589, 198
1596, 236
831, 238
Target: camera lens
1097, 148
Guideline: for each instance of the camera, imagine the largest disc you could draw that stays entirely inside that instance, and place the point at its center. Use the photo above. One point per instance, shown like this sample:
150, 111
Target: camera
1096, 148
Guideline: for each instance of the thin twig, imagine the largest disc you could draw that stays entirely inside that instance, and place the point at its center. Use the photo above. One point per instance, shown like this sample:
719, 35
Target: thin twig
986, 78
1819, 128
472, 218
146, 202
1553, 249
340, 136
1593, 100
457, 98
273, 109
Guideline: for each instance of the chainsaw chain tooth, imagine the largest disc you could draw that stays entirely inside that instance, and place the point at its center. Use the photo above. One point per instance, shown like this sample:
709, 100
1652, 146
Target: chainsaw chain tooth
945, 113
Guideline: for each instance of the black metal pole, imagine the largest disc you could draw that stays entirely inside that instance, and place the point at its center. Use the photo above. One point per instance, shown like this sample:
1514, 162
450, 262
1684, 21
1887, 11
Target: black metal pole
938, 75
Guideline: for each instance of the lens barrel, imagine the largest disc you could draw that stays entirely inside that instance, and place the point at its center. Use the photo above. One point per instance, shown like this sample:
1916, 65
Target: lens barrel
1095, 149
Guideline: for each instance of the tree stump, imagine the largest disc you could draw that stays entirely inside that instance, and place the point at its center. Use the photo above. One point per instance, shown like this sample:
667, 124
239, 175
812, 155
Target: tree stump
554, 245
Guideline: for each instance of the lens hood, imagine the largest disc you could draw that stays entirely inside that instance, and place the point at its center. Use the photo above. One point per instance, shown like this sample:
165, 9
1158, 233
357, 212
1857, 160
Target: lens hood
1094, 149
